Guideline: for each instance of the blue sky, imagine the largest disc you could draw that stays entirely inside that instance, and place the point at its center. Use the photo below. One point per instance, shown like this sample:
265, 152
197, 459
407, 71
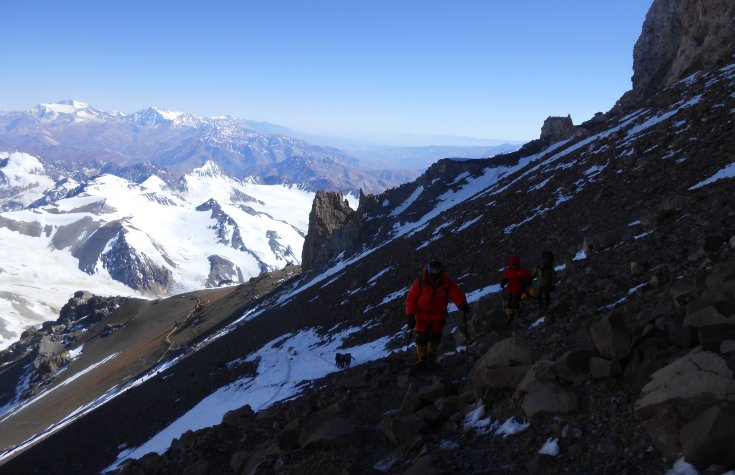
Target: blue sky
485, 69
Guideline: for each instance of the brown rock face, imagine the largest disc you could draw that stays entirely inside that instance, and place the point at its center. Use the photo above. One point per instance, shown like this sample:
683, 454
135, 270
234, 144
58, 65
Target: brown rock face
680, 37
557, 128
329, 214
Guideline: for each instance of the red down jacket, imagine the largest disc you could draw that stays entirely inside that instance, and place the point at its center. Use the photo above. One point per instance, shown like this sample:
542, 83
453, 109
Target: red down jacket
428, 300
518, 279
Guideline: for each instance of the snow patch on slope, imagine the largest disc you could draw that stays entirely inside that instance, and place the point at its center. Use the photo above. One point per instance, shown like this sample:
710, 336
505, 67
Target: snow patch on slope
284, 364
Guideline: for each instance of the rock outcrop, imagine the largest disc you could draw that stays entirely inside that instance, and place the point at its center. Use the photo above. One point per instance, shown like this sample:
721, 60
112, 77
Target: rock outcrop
557, 128
136, 270
680, 37
330, 212
48, 348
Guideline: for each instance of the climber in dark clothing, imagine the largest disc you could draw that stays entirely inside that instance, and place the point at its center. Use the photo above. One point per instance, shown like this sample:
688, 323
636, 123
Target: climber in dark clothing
515, 280
546, 280
426, 309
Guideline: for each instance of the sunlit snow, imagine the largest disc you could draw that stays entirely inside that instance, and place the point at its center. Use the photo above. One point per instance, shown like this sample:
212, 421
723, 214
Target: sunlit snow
284, 364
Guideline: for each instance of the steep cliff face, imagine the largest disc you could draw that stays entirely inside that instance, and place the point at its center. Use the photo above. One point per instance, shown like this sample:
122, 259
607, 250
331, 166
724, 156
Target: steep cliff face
330, 212
680, 37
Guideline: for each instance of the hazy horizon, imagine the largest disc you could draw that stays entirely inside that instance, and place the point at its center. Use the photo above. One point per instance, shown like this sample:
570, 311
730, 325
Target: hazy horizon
485, 70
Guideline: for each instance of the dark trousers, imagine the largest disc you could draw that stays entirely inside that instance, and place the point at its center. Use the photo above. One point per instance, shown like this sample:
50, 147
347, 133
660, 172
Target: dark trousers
544, 297
424, 338
512, 301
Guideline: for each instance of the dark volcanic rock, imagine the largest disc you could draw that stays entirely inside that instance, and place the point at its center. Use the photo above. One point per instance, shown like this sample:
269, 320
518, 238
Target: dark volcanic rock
556, 129
681, 391
679, 37
709, 438
611, 337
503, 366
135, 270
330, 212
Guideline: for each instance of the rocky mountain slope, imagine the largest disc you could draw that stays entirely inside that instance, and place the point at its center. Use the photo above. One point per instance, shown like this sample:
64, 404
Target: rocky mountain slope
629, 370
77, 137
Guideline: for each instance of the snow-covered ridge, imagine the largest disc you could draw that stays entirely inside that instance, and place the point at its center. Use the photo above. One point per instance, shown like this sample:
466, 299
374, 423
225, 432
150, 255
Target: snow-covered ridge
23, 179
119, 237
71, 110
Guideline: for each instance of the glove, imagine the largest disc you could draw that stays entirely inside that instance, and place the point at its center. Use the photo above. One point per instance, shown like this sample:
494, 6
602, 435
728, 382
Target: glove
465, 307
410, 321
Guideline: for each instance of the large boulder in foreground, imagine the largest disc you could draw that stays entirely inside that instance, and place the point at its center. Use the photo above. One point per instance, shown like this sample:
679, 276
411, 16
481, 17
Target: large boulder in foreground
709, 438
680, 393
503, 366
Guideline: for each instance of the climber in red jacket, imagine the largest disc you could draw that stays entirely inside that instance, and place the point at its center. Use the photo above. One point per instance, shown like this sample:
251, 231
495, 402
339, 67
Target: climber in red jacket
426, 309
515, 281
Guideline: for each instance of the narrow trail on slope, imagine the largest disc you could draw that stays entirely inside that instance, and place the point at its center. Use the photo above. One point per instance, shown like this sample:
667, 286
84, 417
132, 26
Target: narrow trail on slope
178, 325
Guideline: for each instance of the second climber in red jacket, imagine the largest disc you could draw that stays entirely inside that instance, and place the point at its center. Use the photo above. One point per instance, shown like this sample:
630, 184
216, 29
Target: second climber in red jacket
515, 281
426, 309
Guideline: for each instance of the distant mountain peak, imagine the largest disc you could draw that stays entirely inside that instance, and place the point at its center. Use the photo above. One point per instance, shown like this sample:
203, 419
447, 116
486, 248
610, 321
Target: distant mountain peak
167, 114
208, 169
155, 117
71, 102
67, 109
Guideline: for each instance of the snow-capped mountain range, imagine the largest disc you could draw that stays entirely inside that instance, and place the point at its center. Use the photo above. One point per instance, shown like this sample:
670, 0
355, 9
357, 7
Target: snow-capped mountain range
77, 137
112, 235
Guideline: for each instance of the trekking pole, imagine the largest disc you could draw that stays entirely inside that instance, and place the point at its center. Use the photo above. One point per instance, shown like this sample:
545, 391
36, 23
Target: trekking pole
466, 342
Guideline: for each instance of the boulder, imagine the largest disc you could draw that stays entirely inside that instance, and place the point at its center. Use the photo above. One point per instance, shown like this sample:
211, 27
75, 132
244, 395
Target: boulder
712, 336
432, 392
503, 366
550, 398
486, 317
721, 278
541, 371
327, 432
706, 316
636, 268
611, 337
262, 459
683, 292
541, 463
404, 430
572, 364
423, 466
200, 467
709, 438
677, 393
238, 461
242, 417
601, 368
452, 405
727, 347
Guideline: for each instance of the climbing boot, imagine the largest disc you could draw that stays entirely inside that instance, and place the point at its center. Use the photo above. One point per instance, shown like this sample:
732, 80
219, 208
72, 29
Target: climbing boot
431, 356
508, 315
421, 357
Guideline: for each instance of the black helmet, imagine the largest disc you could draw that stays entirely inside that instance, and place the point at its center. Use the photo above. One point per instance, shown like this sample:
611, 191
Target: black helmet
435, 268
